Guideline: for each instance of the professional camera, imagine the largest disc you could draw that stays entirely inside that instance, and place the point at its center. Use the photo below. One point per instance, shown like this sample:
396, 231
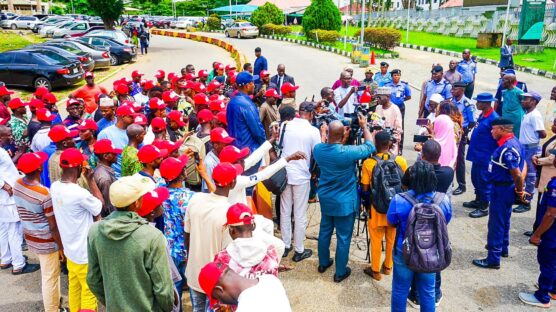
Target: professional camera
326, 118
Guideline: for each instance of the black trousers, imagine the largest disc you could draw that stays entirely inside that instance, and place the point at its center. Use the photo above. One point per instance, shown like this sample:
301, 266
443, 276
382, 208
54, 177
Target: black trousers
400, 145
460, 162
469, 90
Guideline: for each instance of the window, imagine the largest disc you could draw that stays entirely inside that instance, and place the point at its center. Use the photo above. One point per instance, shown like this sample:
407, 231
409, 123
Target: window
6, 58
50, 57
80, 27
23, 58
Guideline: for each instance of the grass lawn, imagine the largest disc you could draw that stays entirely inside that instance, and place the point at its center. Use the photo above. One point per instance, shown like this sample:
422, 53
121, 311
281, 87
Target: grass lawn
13, 40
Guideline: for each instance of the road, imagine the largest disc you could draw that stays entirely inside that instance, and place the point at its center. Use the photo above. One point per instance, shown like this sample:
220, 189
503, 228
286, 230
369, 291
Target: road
465, 287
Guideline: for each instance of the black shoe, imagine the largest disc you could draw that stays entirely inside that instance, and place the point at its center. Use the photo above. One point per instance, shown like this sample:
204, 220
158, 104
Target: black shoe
522, 208
505, 254
338, 279
528, 233
323, 269
299, 256
478, 213
460, 190
483, 263
28, 268
286, 252
472, 204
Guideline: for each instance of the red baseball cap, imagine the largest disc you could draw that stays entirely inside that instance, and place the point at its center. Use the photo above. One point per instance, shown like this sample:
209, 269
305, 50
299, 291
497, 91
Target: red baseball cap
208, 278
200, 99
156, 103
121, 89
213, 85
228, 68
225, 173
218, 66
149, 84
36, 103
217, 105
219, 135
272, 93
200, 87
158, 124
233, 77
288, 87
168, 145
5, 91
16, 103
71, 102
89, 75
140, 119
177, 117
106, 146
215, 97
153, 199
30, 162
39, 92
171, 76
88, 124
49, 98
189, 76
170, 96
172, 167
59, 132
186, 84
263, 73
125, 110
136, 73
148, 153
221, 117
71, 158
239, 214
160, 74
44, 114
203, 73
233, 154
204, 116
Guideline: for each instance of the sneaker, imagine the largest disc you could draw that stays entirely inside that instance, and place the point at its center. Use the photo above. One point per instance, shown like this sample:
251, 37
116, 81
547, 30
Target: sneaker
28, 268
530, 299
300, 256
522, 208
437, 303
413, 303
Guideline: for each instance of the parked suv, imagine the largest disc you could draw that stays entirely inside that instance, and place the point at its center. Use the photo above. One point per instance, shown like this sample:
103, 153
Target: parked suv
78, 27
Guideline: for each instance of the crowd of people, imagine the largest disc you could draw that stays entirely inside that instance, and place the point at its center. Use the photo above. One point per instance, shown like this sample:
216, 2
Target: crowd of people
164, 186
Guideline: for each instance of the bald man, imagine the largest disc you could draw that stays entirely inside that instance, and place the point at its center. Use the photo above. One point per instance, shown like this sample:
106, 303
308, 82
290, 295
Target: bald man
337, 191
511, 97
130, 163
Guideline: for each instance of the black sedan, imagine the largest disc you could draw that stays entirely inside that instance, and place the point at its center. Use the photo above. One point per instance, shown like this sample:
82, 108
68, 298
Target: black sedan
71, 54
33, 68
119, 53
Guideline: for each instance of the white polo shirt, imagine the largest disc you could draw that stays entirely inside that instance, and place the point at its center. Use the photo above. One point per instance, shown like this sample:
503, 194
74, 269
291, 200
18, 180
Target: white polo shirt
531, 123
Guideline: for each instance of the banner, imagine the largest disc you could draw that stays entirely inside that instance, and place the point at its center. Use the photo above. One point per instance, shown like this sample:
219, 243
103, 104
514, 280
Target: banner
531, 21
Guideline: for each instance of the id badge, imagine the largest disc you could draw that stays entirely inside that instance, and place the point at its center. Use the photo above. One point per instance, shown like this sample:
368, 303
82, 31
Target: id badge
490, 167
398, 93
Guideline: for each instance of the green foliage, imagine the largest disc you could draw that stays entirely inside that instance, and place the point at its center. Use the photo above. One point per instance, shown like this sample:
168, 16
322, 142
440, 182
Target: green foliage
383, 38
267, 14
213, 22
277, 30
320, 35
322, 14
108, 10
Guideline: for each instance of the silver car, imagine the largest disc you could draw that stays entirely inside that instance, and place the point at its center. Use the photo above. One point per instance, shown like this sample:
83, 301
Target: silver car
50, 21
20, 22
242, 30
78, 27
116, 35
48, 30
100, 56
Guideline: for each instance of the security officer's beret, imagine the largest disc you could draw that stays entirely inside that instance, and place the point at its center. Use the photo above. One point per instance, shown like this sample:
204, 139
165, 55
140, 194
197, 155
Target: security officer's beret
501, 121
395, 71
459, 84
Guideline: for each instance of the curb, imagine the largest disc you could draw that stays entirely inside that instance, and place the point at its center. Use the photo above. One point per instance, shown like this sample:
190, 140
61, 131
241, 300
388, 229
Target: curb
239, 57
533, 71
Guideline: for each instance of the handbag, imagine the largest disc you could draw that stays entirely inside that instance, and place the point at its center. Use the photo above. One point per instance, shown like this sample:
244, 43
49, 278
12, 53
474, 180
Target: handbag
277, 182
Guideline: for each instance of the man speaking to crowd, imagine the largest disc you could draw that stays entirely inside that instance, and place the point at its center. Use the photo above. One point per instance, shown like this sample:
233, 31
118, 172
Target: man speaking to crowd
337, 192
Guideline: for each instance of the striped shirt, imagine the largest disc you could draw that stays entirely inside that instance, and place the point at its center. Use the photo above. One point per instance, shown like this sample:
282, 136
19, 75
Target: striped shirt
34, 206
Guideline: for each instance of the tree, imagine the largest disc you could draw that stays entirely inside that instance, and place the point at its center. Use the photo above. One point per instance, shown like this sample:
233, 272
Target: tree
108, 10
267, 14
322, 14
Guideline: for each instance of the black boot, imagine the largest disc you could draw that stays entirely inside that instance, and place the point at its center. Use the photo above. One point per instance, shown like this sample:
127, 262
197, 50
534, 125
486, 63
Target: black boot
481, 211
460, 190
472, 204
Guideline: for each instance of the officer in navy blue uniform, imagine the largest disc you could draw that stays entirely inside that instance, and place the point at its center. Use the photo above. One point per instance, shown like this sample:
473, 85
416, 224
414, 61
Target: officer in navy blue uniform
545, 238
436, 85
506, 164
481, 147
400, 93
467, 110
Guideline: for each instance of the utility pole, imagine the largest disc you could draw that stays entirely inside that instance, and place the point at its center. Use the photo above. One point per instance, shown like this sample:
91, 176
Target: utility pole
362, 20
506, 23
407, 30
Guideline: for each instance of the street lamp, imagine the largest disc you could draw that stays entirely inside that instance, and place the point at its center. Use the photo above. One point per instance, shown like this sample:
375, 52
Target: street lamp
362, 20
506, 23
407, 30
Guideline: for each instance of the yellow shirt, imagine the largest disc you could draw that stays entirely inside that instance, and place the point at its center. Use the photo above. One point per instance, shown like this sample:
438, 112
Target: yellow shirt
378, 219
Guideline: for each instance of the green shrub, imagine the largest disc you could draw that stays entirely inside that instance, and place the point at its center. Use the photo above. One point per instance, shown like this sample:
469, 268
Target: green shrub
271, 29
330, 36
213, 22
267, 14
322, 14
382, 38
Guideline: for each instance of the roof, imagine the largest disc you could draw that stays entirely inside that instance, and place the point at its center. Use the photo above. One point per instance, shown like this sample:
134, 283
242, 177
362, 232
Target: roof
282, 4
452, 4
242, 8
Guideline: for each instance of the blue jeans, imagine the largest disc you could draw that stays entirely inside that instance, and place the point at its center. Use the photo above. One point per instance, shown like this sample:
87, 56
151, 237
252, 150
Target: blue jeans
531, 169
401, 282
344, 230
414, 294
199, 301
500, 212
180, 265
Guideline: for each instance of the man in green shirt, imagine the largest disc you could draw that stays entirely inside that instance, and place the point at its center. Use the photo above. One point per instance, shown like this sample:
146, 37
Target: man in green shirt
130, 163
511, 97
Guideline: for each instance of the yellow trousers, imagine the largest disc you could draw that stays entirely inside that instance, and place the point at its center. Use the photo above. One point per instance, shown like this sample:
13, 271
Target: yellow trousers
81, 299
377, 234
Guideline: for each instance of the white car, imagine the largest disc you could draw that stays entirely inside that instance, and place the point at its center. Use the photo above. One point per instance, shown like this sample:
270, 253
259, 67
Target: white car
46, 29
116, 35
181, 22
20, 22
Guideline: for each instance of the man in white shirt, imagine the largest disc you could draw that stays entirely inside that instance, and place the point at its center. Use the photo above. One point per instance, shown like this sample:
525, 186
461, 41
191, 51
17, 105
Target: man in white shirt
345, 96
74, 210
41, 139
299, 135
222, 284
530, 134
219, 139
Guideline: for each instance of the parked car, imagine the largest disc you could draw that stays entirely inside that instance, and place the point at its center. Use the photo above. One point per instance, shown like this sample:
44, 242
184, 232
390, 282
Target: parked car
49, 21
48, 30
20, 22
32, 69
182, 22
162, 23
116, 35
87, 62
119, 53
242, 30
129, 25
78, 27
225, 23
81, 34
100, 56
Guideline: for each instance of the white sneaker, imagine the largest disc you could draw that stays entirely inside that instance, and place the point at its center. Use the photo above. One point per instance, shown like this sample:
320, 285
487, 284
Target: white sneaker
439, 300
413, 304
530, 299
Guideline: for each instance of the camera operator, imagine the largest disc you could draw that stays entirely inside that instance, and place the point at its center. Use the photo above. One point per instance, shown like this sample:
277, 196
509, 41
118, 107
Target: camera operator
337, 192
391, 115
346, 95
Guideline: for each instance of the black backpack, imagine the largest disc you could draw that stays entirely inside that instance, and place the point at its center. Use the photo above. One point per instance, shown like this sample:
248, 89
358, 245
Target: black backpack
387, 182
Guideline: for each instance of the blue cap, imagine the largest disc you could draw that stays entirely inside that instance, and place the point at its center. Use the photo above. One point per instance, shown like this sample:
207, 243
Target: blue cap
509, 71
532, 94
484, 97
244, 78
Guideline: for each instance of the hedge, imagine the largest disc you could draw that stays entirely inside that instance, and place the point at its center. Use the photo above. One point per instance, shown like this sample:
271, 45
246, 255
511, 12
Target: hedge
213, 22
383, 38
271, 29
321, 35
267, 14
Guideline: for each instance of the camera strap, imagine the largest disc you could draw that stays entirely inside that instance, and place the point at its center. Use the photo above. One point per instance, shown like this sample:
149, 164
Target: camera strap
281, 141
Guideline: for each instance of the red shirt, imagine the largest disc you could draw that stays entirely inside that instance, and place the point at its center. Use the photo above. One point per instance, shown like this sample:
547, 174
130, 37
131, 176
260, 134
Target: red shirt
88, 95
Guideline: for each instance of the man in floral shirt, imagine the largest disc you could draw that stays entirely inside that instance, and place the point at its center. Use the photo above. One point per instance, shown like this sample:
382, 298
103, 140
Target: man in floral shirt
19, 122
172, 170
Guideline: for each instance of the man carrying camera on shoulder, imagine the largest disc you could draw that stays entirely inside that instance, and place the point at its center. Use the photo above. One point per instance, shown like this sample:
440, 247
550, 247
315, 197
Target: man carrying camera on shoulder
391, 115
